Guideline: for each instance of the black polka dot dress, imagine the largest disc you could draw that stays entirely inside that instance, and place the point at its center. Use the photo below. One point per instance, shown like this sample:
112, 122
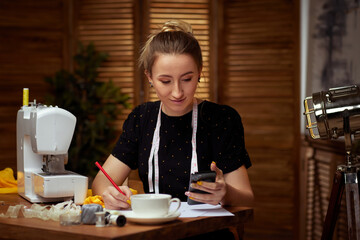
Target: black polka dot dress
220, 138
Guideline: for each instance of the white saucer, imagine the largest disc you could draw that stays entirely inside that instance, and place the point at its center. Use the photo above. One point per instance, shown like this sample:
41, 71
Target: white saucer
132, 217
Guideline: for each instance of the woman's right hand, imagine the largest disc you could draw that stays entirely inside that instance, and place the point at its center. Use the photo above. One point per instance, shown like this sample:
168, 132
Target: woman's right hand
115, 200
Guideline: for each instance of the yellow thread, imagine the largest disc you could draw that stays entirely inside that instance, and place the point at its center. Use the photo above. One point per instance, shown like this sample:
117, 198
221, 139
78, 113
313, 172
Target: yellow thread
199, 183
25, 97
128, 201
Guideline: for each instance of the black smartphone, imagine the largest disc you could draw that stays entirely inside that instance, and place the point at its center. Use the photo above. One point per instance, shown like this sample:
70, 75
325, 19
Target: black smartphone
200, 176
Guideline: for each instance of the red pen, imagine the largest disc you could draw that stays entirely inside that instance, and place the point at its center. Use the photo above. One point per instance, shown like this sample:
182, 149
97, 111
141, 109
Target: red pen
110, 179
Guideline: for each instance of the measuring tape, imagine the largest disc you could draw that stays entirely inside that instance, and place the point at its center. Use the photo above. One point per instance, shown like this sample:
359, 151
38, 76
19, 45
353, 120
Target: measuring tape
154, 156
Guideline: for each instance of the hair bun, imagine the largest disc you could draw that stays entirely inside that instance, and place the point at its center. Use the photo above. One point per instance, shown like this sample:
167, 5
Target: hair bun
177, 25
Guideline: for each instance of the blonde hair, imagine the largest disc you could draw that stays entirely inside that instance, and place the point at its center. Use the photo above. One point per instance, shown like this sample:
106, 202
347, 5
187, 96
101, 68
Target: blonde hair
175, 37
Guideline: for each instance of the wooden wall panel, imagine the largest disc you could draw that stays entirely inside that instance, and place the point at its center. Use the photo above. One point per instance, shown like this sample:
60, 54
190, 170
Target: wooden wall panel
33, 44
258, 78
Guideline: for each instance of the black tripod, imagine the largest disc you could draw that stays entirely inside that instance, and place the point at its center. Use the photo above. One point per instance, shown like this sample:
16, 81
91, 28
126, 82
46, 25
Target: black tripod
346, 177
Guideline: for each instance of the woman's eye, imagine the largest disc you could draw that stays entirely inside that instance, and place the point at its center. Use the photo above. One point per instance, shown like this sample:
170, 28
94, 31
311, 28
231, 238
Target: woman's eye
187, 79
165, 81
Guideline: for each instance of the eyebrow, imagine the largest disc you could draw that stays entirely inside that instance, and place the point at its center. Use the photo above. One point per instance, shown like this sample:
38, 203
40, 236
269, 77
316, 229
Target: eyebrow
165, 75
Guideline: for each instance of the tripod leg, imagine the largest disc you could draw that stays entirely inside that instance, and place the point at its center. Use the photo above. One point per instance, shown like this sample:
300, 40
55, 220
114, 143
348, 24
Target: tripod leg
352, 205
334, 206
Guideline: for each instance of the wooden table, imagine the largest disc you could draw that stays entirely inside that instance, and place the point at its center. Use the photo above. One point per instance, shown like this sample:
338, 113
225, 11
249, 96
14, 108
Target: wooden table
33, 228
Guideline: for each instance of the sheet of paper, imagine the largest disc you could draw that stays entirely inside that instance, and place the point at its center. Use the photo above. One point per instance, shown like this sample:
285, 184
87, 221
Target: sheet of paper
198, 210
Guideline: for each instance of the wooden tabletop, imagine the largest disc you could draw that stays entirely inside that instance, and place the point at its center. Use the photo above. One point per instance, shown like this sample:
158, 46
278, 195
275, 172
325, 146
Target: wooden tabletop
33, 228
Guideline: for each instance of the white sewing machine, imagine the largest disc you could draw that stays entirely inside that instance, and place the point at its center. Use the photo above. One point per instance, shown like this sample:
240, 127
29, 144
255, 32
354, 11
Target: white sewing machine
43, 137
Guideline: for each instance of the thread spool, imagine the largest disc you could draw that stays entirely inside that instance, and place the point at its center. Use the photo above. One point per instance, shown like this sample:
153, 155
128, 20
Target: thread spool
118, 220
25, 97
100, 219
88, 213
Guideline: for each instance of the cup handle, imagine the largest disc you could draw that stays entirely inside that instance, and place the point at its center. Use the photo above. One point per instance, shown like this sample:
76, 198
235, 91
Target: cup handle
178, 205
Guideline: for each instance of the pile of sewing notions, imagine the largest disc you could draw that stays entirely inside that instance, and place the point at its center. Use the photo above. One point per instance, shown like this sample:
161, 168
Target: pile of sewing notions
46, 212
67, 213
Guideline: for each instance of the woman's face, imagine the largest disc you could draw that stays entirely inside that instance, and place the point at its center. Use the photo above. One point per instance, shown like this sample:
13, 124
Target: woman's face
175, 79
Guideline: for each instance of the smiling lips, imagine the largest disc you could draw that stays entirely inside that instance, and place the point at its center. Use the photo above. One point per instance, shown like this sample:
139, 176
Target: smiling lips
178, 101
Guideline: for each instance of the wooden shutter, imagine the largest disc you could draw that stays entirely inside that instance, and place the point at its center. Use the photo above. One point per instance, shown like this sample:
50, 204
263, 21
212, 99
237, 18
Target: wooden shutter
258, 78
195, 12
321, 160
109, 25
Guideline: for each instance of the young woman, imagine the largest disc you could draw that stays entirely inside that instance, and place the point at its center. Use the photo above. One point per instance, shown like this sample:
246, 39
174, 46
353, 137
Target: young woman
169, 139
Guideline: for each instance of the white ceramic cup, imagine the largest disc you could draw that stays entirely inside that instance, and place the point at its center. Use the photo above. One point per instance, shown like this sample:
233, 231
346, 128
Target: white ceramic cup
153, 205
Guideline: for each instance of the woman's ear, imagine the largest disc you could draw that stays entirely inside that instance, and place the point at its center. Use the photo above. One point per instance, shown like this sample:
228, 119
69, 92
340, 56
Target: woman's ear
200, 72
148, 75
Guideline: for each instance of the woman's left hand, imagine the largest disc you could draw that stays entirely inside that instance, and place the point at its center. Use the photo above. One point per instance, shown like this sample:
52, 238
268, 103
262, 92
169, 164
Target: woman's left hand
216, 190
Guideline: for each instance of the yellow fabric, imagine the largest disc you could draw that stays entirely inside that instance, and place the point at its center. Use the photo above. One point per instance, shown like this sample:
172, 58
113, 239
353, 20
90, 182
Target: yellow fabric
8, 184
98, 199
94, 199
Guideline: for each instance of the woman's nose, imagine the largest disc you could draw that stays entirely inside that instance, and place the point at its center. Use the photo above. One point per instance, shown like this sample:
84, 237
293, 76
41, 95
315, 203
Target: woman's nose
177, 90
